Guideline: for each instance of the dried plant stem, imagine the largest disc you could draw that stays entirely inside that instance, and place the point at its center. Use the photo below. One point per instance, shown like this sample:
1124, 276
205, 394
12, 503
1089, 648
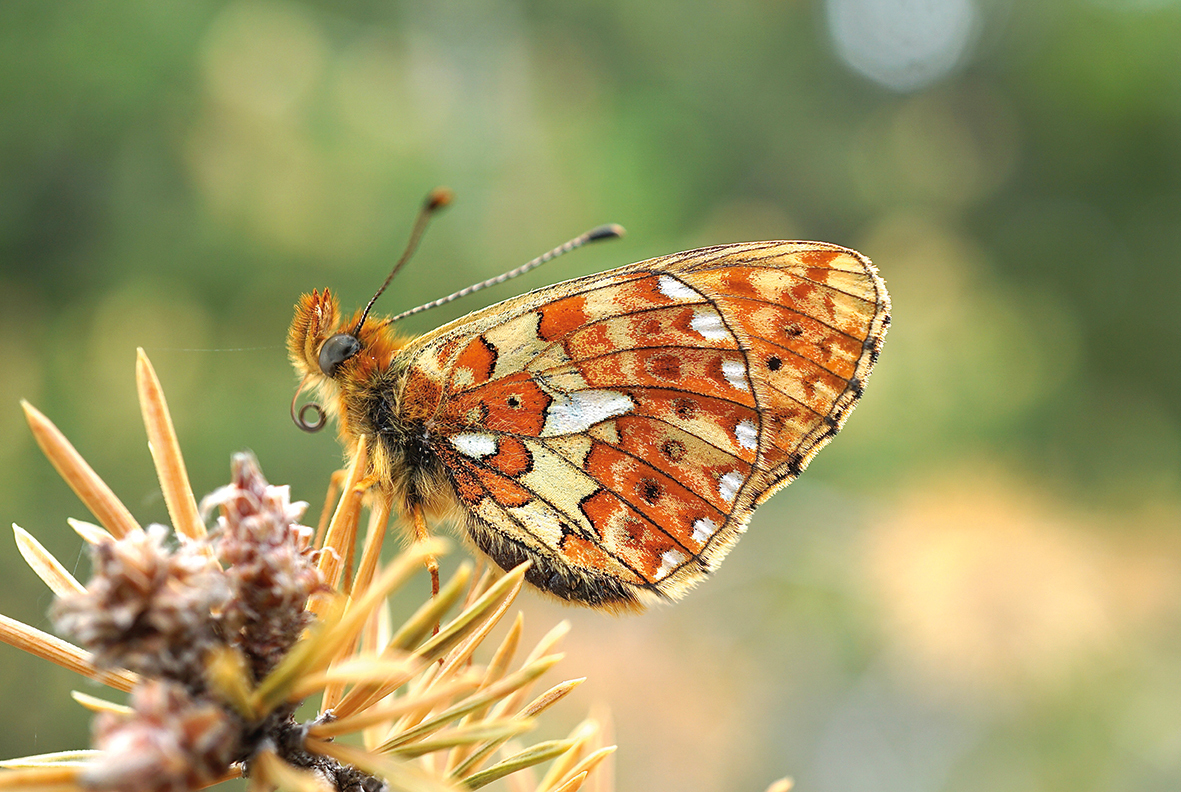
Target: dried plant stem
534, 755
42, 779
341, 532
165, 448
573, 761
66, 655
370, 556
374, 538
48, 568
87, 485
95, 704
91, 533
574, 784
471, 704
375, 715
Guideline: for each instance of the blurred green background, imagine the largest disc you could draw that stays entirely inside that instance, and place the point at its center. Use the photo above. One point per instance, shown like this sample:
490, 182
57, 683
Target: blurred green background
977, 587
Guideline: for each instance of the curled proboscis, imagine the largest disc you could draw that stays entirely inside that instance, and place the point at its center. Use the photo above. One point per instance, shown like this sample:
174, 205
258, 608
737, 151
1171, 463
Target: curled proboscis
301, 420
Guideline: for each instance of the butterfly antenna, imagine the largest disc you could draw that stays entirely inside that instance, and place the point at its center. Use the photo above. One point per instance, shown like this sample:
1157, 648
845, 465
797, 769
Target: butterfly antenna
438, 198
609, 231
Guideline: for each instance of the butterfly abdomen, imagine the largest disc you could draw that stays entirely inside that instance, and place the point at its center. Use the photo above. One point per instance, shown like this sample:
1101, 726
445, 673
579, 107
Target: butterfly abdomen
588, 587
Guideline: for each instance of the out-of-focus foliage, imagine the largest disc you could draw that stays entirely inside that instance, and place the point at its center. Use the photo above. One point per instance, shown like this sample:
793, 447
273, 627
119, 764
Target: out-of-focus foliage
975, 588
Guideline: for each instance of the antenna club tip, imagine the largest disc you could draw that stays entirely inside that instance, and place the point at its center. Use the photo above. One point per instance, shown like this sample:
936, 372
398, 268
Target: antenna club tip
438, 198
609, 231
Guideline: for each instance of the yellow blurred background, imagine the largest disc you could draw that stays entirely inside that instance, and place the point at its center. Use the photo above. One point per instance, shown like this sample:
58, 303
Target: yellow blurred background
977, 587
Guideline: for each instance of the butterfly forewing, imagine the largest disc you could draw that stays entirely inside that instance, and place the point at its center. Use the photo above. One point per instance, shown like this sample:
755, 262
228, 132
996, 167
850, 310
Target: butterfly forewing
619, 429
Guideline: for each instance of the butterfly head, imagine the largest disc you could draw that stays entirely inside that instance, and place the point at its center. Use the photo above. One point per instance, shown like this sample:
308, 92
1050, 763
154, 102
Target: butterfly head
339, 358
333, 356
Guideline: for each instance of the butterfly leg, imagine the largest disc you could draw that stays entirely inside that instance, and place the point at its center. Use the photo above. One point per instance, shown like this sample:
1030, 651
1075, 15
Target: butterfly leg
421, 534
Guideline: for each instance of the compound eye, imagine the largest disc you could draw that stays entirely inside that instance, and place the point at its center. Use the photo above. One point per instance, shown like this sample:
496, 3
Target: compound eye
337, 350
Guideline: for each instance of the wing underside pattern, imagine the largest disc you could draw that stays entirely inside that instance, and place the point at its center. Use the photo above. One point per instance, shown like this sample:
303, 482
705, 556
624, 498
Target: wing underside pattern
621, 428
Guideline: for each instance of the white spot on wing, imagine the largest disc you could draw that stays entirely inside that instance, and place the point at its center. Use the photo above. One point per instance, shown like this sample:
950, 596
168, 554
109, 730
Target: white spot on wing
673, 289
670, 561
703, 529
707, 323
747, 434
735, 373
581, 410
729, 484
462, 377
476, 445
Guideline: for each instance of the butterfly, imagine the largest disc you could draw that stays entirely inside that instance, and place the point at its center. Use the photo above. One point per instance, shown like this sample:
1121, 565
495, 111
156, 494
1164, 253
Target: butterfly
617, 430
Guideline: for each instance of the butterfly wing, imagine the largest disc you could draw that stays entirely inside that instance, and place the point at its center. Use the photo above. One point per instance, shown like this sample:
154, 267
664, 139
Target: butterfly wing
619, 429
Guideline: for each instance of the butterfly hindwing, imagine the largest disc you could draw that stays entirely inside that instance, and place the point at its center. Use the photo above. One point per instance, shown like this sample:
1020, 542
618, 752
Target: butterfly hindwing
812, 318
619, 429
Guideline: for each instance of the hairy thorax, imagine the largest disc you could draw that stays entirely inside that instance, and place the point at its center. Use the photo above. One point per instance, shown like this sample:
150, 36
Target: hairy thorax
402, 428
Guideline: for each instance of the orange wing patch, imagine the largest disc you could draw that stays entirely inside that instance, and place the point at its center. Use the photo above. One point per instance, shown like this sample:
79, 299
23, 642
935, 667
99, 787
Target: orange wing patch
475, 364
513, 405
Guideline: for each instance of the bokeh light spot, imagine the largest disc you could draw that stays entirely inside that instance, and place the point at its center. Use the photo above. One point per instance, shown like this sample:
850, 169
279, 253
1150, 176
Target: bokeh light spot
993, 591
902, 44
265, 57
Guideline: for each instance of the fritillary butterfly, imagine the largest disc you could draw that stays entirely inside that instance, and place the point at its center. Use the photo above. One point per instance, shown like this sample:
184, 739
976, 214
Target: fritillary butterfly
617, 430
